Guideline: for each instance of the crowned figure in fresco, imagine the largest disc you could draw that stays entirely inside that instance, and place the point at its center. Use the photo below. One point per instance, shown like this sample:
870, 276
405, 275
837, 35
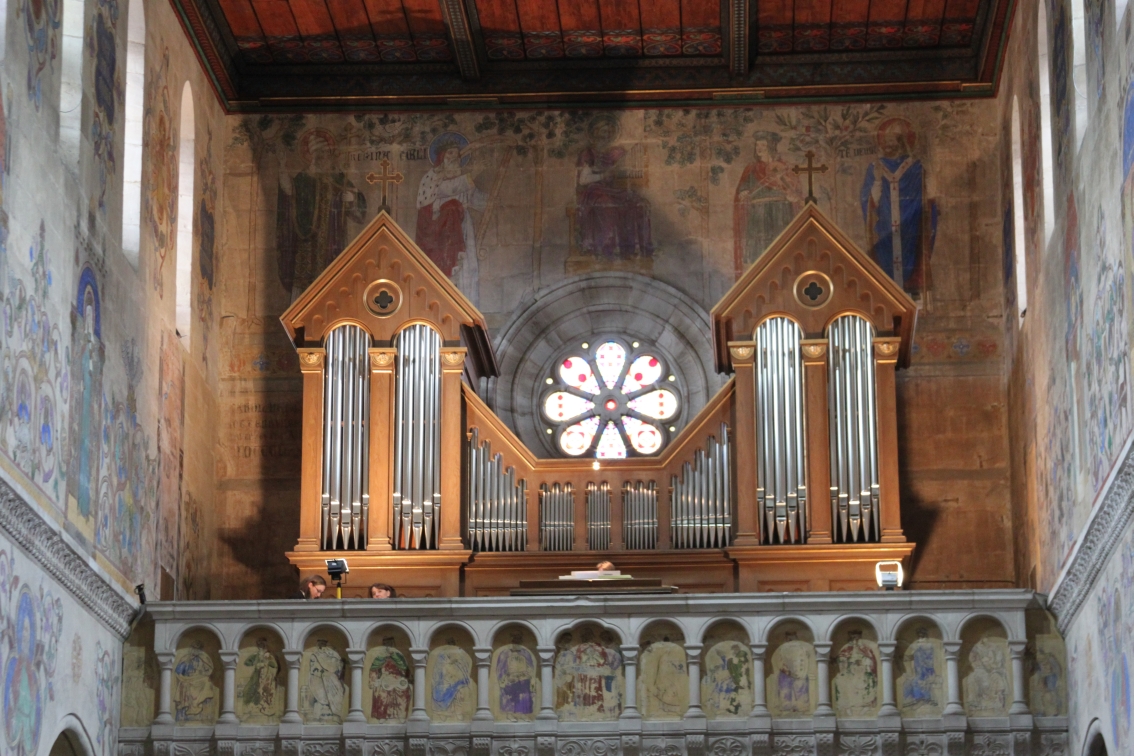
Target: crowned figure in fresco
856, 681
921, 686
986, 686
767, 198
451, 694
312, 211
515, 678
611, 219
194, 694
900, 223
262, 668
445, 196
390, 686
326, 688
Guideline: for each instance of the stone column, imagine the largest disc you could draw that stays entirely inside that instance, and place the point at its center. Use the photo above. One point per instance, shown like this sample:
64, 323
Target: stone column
356, 657
823, 662
483, 663
630, 669
419, 655
693, 666
546, 683
292, 657
1019, 704
889, 708
953, 679
759, 683
165, 684
228, 694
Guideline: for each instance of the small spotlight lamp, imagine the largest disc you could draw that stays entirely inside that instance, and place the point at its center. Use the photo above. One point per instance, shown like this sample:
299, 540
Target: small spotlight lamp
889, 575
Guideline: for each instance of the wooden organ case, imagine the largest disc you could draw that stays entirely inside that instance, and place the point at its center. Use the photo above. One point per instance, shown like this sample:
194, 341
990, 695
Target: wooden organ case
786, 480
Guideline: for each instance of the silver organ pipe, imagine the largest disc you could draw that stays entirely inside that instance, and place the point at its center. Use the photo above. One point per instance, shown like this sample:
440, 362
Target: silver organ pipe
417, 448
701, 498
556, 517
781, 482
346, 438
598, 516
497, 504
640, 514
854, 430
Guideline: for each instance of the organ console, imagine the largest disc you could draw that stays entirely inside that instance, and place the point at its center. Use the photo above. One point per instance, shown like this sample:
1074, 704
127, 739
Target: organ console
786, 480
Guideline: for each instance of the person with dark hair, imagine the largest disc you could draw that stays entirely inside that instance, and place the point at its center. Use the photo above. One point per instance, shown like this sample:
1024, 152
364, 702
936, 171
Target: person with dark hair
311, 587
382, 591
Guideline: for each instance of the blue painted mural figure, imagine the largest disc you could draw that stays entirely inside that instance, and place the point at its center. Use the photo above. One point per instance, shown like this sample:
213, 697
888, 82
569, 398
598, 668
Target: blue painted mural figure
923, 687
86, 398
194, 692
515, 670
900, 224
451, 678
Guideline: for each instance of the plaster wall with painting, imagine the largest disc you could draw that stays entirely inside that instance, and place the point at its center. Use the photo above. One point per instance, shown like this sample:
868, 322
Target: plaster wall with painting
565, 225
1067, 131
110, 226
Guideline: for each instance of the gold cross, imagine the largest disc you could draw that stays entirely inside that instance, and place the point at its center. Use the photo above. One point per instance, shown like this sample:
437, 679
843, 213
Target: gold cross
385, 178
810, 170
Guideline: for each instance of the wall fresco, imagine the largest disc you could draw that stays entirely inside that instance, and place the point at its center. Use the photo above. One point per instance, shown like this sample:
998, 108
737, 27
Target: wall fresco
451, 692
261, 678
589, 682
514, 693
323, 679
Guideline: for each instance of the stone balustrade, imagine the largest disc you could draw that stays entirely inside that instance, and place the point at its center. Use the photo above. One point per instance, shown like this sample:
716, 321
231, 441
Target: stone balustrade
873, 673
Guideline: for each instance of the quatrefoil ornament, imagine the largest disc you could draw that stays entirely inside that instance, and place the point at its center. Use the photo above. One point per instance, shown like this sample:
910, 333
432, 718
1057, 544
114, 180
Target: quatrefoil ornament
383, 298
812, 289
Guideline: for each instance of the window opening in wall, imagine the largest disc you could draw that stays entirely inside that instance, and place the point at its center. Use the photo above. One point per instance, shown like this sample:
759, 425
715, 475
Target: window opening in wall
1021, 271
132, 149
186, 164
1079, 68
1045, 126
612, 399
71, 82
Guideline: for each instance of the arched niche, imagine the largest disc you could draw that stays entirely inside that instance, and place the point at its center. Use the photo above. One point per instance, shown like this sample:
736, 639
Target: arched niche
856, 670
324, 683
139, 677
663, 672
577, 310
197, 678
514, 685
589, 681
986, 668
792, 673
726, 671
68, 744
919, 669
387, 685
261, 677
450, 678
1046, 662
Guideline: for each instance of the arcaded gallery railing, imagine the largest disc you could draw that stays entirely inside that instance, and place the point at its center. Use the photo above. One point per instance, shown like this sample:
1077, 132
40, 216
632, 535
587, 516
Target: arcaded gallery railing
787, 479
948, 672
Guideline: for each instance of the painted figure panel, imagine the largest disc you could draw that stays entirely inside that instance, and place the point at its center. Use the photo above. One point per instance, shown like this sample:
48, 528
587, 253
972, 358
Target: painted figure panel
1047, 684
196, 681
452, 690
767, 198
921, 686
987, 687
515, 682
726, 682
855, 688
260, 680
589, 680
792, 680
389, 683
323, 682
663, 682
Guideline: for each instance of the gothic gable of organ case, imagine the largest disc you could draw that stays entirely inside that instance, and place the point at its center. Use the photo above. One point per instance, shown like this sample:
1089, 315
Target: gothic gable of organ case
785, 480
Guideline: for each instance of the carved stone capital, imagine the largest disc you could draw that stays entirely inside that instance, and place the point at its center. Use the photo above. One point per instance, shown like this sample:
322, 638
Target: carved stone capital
356, 656
483, 656
292, 656
228, 659
887, 648
165, 659
311, 359
952, 648
546, 654
420, 655
629, 654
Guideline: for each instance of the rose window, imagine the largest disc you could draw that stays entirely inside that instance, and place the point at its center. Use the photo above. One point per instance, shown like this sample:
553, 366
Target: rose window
613, 401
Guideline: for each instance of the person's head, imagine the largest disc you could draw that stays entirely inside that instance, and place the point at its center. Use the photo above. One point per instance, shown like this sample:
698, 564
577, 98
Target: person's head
603, 130
896, 137
382, 591
764, 144
605, 566
312, 586
318, 148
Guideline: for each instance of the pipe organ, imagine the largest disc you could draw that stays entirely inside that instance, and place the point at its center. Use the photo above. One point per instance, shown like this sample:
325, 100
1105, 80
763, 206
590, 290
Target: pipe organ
556, 517
498, 511
781, 493
345, 501
417, 441
854, 431
786, 479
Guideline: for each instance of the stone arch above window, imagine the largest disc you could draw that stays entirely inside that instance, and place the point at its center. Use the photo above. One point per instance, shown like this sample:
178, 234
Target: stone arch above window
585, 309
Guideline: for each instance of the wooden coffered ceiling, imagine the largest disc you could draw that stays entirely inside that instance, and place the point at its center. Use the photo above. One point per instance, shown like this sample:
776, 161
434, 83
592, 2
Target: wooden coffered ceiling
346, 54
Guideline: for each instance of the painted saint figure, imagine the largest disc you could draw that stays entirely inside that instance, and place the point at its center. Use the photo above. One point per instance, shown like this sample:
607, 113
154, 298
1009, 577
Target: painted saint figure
899, 223
390, 686
451, 696
445, 196
86, 400
767, 198
986, 686
664, 681
325, 687
921, 685
726, 688
194, 694
856, 682
515, 678
312, 211
791, 686
611, 219
588, 679
258, 695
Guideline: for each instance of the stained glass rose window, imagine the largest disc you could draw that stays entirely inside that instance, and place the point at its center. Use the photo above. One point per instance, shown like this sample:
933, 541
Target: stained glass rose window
610, 400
